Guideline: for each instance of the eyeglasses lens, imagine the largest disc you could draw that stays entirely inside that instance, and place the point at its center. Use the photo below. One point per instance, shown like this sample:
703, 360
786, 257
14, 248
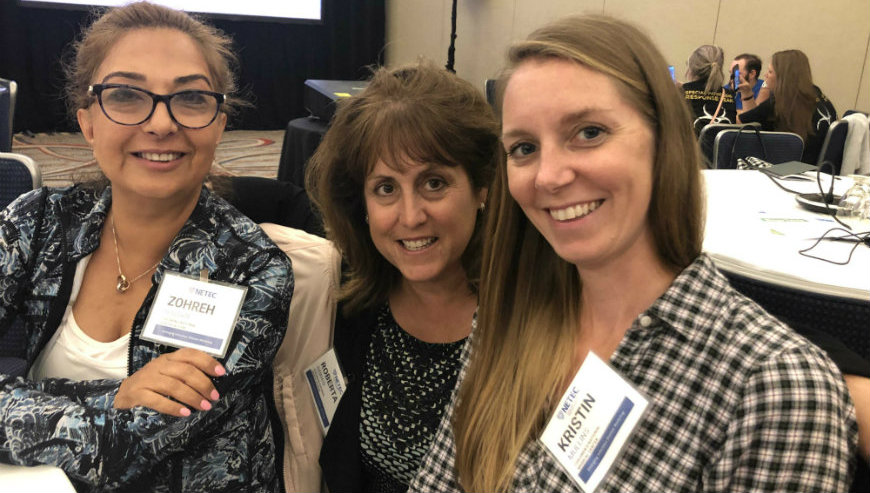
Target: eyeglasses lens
131, 106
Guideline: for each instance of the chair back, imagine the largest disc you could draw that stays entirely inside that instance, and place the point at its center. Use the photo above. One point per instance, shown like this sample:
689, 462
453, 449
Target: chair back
18, 175
834, 145
8, 92
773, 147
707, 138
489, 91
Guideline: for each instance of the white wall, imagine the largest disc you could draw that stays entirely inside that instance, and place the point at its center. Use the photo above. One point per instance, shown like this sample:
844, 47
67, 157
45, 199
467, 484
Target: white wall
835, 34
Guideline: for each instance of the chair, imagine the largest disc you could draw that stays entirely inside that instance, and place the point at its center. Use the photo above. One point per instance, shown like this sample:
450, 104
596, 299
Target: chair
833, 146
843, 318
265, 200
18, 175
707, 137
489, 91
773, 147
8, 92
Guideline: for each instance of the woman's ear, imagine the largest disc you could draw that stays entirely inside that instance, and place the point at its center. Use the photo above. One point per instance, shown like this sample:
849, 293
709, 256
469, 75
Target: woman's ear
482, 194
221, 122
83, 115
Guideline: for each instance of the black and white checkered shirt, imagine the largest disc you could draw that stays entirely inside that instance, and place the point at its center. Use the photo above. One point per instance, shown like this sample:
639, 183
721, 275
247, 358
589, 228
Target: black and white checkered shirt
738, 402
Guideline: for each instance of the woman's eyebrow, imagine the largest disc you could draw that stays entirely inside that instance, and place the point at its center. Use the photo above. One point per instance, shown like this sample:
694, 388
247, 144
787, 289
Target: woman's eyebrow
181, 80
185, 79
125, 75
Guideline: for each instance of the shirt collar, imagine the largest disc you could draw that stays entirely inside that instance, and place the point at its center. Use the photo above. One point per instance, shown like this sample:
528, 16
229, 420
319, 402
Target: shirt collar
691, 302
86, 238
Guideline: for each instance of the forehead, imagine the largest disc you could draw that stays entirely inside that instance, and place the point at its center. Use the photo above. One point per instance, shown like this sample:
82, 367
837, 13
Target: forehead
154, 53
409, 168
546, 88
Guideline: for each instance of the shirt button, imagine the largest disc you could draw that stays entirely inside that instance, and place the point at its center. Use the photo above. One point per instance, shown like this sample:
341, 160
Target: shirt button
645, 321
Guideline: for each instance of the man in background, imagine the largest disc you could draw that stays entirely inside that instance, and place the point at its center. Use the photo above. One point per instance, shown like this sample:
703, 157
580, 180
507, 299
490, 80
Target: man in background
750, 68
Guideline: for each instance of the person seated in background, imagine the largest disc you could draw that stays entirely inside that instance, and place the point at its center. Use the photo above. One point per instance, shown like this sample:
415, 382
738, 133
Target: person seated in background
709, 101
151, 88
796, 105
593, 245
749, 66
401, 178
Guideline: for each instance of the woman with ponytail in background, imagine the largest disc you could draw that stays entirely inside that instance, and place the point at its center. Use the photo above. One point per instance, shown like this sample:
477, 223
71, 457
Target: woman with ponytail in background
709, 100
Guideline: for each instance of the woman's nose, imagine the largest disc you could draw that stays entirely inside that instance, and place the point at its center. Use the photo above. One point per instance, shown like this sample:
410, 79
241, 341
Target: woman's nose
161, 122
413, 211
555, 169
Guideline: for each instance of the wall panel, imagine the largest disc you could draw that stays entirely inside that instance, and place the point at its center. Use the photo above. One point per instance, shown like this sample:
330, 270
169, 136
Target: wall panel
862, 97
677, 27
834, 35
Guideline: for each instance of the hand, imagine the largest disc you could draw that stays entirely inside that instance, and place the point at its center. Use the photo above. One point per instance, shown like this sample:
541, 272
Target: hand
744, 88
178, 377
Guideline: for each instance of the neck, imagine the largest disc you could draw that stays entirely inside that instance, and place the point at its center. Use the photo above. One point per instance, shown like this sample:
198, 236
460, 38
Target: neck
437, 311
615, 294
145, 231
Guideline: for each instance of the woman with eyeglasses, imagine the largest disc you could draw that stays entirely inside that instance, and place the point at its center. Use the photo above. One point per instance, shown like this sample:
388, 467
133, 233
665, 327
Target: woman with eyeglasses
83, 267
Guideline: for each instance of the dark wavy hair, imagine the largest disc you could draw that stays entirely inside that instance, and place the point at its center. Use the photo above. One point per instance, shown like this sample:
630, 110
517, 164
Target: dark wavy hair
417, 112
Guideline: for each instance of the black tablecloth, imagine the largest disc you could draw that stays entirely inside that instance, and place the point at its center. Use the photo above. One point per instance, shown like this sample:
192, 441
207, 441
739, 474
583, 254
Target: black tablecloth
301, 139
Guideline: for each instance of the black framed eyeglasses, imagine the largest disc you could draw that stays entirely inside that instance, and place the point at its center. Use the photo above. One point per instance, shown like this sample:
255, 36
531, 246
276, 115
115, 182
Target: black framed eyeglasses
130, 105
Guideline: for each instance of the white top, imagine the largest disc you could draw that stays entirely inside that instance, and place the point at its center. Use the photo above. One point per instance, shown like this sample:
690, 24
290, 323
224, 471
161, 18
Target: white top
35, 478
75, 355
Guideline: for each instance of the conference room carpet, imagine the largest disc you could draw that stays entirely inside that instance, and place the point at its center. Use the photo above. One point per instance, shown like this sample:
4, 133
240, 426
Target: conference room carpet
66, 157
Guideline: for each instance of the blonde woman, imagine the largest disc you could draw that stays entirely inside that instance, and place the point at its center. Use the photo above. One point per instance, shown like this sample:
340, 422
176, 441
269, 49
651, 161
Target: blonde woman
710, 101
594, 246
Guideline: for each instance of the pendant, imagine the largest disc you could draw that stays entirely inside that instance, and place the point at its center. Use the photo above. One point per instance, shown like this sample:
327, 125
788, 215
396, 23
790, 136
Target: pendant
123, 284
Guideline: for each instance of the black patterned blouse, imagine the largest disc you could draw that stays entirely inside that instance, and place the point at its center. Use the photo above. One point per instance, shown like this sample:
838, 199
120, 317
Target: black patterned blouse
406, 385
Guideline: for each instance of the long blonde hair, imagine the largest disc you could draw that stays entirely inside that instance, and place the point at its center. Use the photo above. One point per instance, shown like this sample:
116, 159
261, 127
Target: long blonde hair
529, 296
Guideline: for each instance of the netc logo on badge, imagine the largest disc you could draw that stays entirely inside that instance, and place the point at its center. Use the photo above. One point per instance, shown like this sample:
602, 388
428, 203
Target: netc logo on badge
569, 399
193, 290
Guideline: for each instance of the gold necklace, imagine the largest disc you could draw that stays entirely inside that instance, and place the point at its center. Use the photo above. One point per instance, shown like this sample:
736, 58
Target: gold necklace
123, 284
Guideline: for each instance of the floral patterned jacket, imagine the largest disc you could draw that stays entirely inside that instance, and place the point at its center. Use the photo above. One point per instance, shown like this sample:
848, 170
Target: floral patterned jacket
71, 424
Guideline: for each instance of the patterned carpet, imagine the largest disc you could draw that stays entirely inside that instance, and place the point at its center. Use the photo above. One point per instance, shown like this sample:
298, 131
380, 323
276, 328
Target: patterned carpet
64, 156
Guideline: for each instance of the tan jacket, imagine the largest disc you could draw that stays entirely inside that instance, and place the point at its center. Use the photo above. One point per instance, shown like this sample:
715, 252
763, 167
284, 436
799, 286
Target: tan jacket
316, 270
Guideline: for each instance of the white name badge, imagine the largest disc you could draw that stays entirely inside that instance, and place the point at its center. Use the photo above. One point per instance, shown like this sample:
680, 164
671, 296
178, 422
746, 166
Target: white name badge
327, 385
194, 313
592, 423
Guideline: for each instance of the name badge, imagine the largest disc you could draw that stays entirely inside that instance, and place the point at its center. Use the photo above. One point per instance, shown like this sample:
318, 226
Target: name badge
327, 385
194, 313
592, 423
